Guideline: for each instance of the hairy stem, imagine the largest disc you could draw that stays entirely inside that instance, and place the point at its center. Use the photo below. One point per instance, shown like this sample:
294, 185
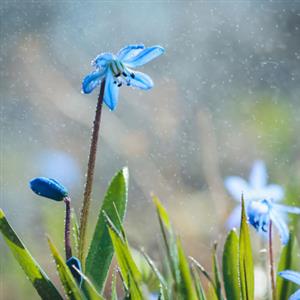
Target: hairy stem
68, 247
90, 176
271, 257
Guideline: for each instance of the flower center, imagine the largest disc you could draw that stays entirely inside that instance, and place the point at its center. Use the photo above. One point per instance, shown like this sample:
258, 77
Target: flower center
120, 73
258, 214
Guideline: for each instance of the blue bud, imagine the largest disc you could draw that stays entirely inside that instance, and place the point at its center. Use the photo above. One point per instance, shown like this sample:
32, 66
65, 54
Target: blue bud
74, 261
49, 188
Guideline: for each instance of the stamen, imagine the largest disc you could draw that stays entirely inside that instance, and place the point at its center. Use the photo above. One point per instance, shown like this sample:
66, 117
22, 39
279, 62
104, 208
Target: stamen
132, 75
124, 74
118, 75
119, 84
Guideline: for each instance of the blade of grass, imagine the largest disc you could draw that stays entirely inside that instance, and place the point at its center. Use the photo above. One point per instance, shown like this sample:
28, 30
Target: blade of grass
33, 271
101, 249
231, 266
75, 231
246, 267
71, 288
217, 277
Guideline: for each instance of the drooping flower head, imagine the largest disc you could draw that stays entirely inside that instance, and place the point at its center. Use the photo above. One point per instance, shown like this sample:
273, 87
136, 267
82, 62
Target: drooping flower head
49, 188
261, 212
257, 188
294, 277
74, 265
117, 70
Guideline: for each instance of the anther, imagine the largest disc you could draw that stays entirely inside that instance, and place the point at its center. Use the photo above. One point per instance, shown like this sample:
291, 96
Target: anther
119, 84
124, 74
132, 75
118, 75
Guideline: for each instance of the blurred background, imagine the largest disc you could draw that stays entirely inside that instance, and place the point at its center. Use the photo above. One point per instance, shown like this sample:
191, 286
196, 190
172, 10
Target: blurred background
226, 93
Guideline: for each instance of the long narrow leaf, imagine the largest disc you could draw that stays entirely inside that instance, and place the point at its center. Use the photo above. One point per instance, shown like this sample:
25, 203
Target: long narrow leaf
245, 259
33, 271
217, 276
231, 266
186, 288
71, 288
101, 249
75, 231
289, 260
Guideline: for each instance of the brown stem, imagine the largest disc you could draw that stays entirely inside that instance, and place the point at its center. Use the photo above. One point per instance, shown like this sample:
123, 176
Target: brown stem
90, 176
68, 248
272, 273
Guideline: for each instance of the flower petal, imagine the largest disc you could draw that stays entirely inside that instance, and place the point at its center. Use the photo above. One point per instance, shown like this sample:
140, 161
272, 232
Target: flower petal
237, 186
291, 275
102, 59
287, 209
111, 92
274, 192
234, 218
141, 81
279, 222
91, 81
129, 51
144, 56
295, 296
258, 176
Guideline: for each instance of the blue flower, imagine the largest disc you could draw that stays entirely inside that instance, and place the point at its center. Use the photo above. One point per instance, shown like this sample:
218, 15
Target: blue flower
261, 212
49, 188
116, 71
256, 189
74, 264
294, 277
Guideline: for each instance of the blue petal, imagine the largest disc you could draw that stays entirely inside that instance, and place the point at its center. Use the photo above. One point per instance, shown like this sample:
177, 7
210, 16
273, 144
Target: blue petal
258, 176
129, 51
237, 186
111, 92
280, 224
49, 188
274, 192
91, 81
295, 296
144, 56
291, 275
234, 218
287, 209
102, 60
141, 81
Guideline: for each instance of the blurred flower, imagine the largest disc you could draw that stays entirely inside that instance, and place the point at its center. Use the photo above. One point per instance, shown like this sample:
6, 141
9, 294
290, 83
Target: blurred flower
49, 188
294, 277
60, 165
256, 189
261, 212
74, 264
116, 71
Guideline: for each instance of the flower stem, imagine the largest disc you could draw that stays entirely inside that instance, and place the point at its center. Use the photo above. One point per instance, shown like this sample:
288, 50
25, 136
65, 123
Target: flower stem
90, 176
68, 248
272, 274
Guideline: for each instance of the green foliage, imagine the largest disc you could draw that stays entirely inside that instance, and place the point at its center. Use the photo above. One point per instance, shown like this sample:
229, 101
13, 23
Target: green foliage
71, 288
289, 260
101, 248
33, 271
231, 266
246, 267
217, 277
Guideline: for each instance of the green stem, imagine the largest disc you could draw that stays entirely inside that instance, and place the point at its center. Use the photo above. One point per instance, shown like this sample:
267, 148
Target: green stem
90, 177
271, 257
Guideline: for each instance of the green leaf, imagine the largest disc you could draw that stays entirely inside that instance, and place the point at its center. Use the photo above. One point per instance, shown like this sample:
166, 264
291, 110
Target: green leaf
186, 287
162, 213
217, 277
245, 259
199, 289
101, 248
289, 260
71, 288
114, 295
33, 271
130, 273
231, 266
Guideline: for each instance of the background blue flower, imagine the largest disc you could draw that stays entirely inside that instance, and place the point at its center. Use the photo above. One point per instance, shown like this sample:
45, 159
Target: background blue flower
261, 212
257, 188
116, 71
294, 277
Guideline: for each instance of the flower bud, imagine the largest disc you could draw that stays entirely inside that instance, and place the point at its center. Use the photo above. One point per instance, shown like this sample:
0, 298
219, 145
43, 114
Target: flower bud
74, 264
49, 188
